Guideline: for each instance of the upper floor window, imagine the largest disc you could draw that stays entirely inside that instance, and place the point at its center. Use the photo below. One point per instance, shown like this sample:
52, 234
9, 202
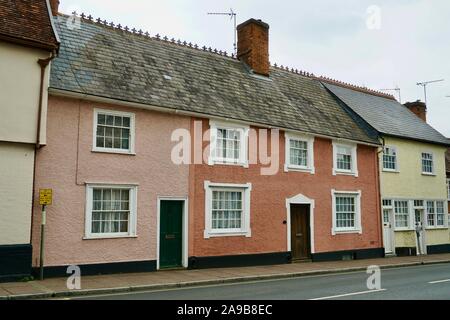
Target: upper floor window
344, 159
228, 144
227, 209
110, 211
427, 163
390, 159
113, 131
346, 212
299, 153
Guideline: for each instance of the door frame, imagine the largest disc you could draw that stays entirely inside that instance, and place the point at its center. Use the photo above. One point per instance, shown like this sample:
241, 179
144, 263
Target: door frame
392, 229
185, 228
300, 199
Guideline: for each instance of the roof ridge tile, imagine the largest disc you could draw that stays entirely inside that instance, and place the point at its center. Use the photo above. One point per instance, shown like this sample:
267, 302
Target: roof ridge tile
157, 37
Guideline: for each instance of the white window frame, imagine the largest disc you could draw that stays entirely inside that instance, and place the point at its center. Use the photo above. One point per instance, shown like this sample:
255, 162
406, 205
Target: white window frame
432, 173
244, 132
310, 153
245, 229
354, 159
130, 150
410, 219
132, 220
358, 226
445, 216
396, 159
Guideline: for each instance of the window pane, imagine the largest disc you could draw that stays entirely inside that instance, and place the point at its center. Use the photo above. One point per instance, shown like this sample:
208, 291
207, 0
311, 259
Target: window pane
345, 211
389, 159
401, 214
113, 132
226, 209
298, 152
110, 210
228, 144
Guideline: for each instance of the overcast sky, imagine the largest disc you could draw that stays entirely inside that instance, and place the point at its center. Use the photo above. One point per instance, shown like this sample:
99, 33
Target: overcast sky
378, 43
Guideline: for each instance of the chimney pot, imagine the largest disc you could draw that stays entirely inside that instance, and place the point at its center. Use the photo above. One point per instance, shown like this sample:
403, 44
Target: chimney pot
54, 5
253, 45
419, 108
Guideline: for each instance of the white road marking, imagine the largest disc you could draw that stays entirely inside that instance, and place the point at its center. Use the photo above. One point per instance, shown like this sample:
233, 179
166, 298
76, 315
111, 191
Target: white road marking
348, 294
439, 281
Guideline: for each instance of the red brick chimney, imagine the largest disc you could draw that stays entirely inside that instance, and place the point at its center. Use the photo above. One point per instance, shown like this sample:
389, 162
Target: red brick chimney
54, 5
253, 45
419, 108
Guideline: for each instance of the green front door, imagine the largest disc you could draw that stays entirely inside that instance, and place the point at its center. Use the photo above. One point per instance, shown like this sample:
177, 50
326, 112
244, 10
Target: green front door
170, 233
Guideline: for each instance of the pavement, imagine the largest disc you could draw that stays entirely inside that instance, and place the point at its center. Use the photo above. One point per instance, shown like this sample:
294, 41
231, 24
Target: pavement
424, 282
170, 279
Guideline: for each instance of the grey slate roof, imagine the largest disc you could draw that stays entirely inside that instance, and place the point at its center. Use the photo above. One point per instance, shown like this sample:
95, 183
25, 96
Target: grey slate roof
102, 61
387, 116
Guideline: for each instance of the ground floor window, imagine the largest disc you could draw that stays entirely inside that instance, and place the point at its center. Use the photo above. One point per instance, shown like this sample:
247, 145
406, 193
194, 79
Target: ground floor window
435, 214
401, 212
346, 212
110, 211
227, 209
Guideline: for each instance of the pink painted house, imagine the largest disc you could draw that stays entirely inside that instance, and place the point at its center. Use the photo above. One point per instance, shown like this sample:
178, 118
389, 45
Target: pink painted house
119, 105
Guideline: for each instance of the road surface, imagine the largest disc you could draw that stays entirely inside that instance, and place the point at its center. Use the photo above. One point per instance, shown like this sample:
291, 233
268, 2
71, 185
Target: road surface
419, 282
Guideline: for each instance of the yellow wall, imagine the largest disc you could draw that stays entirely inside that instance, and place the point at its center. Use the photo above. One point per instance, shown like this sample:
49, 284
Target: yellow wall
19, 93
16, 185
409, 182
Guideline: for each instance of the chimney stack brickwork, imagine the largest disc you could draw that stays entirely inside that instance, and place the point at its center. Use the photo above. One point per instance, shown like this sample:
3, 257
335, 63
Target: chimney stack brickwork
253, 45
54, 5
419, 108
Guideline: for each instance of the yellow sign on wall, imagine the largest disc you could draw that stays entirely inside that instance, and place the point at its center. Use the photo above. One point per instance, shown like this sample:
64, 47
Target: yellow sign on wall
45, 197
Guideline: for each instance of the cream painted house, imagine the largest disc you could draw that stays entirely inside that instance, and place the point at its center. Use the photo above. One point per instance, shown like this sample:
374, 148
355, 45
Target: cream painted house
412, 172
27, 44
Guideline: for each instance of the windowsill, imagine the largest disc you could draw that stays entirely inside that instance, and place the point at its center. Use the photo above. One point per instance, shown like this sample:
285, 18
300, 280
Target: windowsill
113, 152
337, 231
436, 228
108, 237
428, 174
228, 163
391, 171
403, 229
215, 234
345, 173
288, 168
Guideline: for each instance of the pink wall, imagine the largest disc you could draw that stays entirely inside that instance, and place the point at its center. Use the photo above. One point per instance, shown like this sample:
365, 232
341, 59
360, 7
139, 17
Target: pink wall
268, 203
58, 168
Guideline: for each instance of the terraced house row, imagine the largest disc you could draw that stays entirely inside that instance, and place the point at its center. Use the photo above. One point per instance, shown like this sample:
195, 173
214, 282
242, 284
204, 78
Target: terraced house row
164, 155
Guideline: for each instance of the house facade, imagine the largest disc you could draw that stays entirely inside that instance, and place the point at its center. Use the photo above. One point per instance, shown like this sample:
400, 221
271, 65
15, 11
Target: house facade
164, 155
412, 173
28, 42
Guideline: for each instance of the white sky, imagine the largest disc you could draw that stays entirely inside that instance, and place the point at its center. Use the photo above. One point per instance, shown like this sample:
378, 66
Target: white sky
326, 37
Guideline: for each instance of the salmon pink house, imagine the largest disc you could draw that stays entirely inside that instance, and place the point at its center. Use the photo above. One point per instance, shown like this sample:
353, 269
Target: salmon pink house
273, 168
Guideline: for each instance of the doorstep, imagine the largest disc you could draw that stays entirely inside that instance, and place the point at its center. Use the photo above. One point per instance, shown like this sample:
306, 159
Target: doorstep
168, 279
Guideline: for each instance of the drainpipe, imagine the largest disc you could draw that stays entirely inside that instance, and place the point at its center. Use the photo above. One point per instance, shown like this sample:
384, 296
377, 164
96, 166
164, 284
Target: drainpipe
43, 63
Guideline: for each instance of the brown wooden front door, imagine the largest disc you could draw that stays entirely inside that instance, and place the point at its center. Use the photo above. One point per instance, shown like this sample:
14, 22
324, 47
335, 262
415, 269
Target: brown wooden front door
300, 232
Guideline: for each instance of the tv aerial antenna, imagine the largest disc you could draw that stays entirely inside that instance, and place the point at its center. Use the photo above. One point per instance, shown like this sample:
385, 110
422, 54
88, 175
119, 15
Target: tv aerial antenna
424, 85
232, 16
396, 89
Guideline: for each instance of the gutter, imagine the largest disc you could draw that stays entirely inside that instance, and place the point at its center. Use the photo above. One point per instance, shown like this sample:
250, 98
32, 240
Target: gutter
94, 98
